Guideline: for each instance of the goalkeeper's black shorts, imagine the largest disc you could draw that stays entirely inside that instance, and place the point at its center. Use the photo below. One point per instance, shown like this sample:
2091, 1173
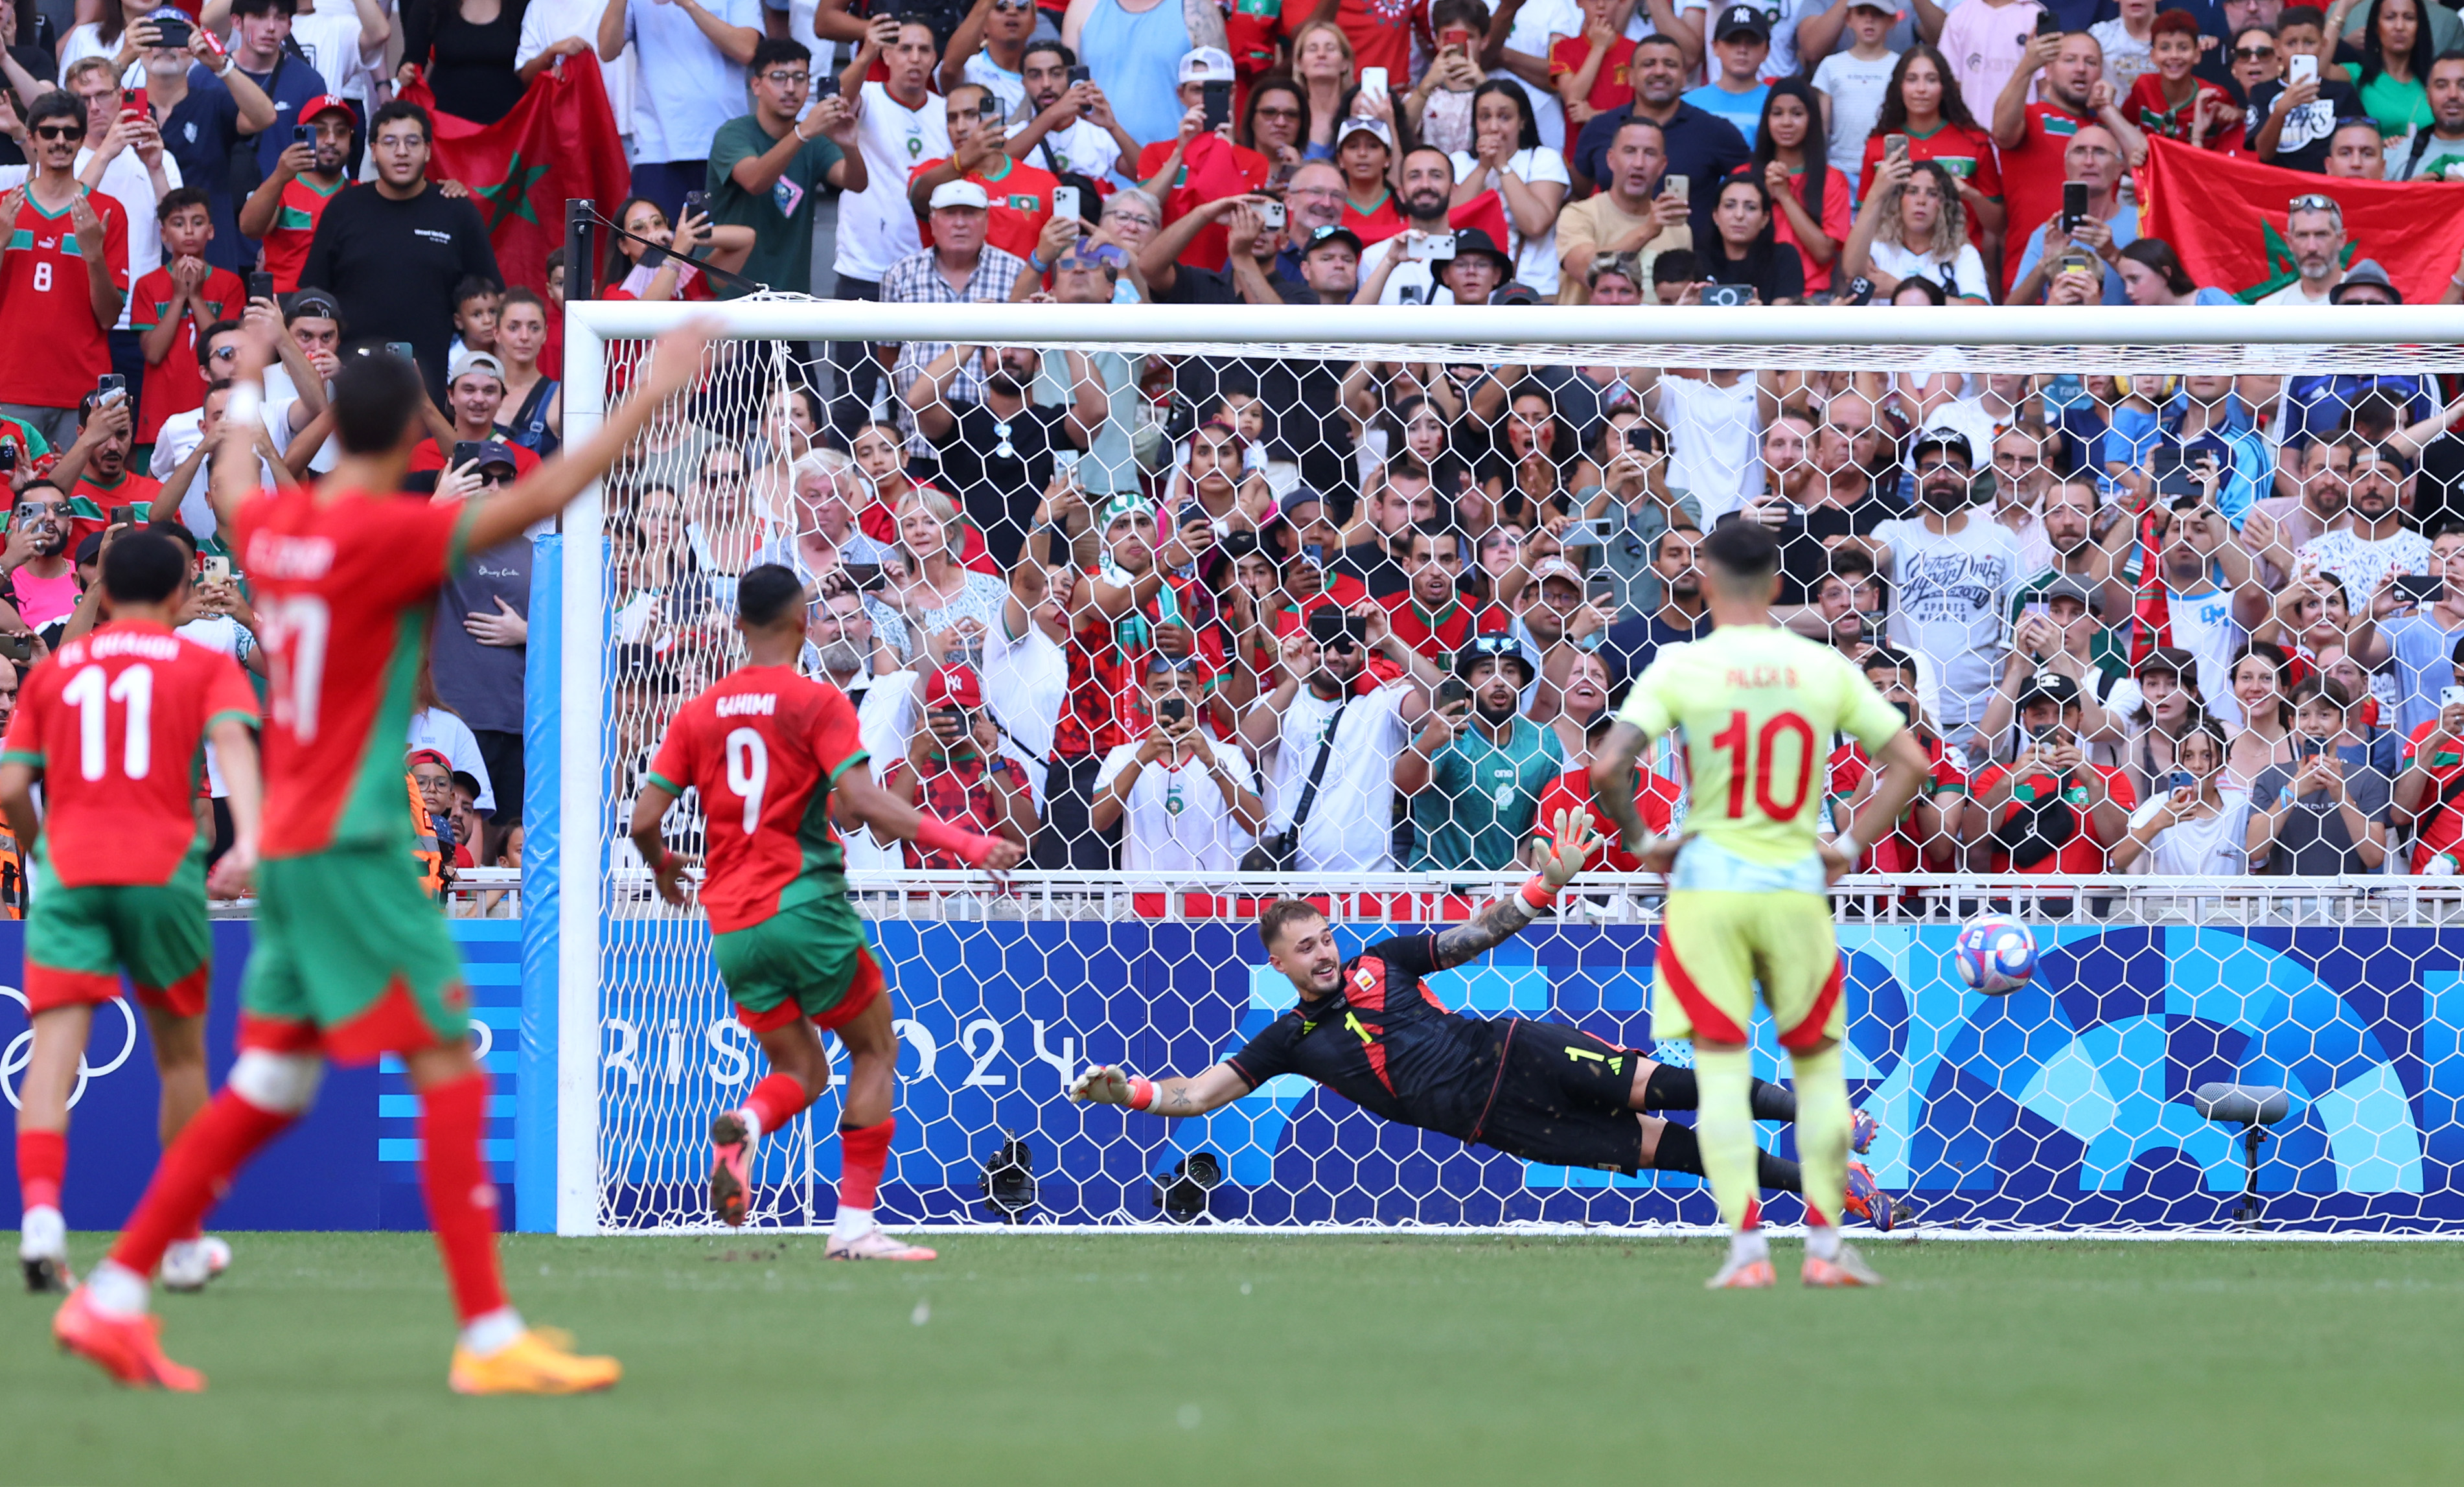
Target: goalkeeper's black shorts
1561, 1097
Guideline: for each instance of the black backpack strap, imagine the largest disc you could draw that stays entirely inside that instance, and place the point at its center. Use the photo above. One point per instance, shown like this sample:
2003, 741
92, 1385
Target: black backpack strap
1317, 768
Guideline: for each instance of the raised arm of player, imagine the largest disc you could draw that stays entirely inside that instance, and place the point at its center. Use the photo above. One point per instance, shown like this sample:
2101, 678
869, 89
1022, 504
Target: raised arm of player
667, 868
1213, 1090
861, 798
1613, 782
1571, 845
676, 360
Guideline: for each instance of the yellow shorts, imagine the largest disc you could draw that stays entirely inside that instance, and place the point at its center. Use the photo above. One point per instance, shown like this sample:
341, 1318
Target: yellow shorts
1715, 944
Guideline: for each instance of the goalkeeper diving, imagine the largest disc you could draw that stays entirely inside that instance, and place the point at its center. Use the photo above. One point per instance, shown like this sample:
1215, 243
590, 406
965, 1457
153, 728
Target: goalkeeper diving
1369, 1029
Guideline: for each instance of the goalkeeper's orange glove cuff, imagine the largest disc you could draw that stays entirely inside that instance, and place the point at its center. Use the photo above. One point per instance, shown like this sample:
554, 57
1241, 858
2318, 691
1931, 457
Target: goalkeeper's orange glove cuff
1537, 893
1142, 1092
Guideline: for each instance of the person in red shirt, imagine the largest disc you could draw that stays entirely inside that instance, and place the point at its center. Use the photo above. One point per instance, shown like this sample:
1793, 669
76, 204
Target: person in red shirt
98, 462
2049, 810
1589, 71
63, 273
1379, 31
475, 392
954, 769
2427, 786
2032, 137
1429, 614
114, 728
349, 960
1364, 151
2168, 100
174, 304
771, 753
1201, 165
282, 211
1922, 102
1927, 836
1657, 798
1020, 196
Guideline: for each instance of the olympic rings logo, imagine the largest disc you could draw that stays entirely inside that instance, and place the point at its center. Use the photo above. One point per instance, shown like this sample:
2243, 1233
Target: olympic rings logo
20, 1051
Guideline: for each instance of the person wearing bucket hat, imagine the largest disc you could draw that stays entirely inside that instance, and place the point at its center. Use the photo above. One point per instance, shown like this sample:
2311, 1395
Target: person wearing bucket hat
1477, 767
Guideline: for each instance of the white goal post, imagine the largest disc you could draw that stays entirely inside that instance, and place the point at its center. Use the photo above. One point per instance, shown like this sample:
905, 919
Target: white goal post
2040, 1110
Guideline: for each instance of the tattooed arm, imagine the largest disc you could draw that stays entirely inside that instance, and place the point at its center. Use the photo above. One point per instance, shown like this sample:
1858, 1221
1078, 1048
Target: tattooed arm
1569, 844
1492, 926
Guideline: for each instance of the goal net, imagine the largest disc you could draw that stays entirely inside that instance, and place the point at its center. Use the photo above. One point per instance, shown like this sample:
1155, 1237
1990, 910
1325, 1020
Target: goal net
2162, 590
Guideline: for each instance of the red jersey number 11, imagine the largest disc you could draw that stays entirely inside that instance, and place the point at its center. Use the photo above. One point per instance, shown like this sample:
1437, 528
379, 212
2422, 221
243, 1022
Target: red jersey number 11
91, 696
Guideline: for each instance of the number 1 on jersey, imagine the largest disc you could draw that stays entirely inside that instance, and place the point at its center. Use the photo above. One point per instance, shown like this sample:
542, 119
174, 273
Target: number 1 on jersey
1758, 762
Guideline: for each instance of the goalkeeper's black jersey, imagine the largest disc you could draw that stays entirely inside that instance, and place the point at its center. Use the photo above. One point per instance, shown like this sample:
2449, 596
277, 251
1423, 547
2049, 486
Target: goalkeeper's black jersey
1383, 1041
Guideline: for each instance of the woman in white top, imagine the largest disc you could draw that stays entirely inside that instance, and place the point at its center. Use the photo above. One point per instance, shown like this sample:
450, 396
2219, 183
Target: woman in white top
106, 37
2265, 736
1914, 226
936, 593
1322, 59
2197, 825
1529, 179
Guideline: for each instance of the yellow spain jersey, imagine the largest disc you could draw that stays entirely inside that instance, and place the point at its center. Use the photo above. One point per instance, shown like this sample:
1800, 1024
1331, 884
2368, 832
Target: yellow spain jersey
1756, 707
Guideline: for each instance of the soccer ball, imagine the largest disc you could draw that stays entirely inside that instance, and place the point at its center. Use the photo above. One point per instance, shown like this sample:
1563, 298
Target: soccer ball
1996, 955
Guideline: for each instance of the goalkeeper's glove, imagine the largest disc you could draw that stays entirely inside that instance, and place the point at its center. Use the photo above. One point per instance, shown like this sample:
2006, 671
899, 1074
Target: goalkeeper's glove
1105, 1084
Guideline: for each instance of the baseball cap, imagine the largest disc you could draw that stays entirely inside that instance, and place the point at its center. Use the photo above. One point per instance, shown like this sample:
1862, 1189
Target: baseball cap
1739, 20
327, 103
1516, 292
2167, 658
1207, 64
1948, 440
317, 304
419, 757
495, 454
1556, 568
959, 193
1505, 649
1298, 496
2064, 586
954, 686
469, 362
2048, 687
1334, 232
1375, 129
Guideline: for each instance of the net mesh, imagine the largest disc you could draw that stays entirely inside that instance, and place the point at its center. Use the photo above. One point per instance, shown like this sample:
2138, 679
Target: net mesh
2183, 501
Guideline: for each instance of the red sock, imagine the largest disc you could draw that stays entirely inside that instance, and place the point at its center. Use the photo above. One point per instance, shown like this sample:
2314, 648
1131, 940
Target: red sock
777, 1099
461, 1199
42, 1162
193, 1176
861, 1155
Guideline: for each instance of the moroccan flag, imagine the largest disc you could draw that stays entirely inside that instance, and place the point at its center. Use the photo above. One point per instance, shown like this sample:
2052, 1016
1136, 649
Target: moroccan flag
2225, 215
559, 141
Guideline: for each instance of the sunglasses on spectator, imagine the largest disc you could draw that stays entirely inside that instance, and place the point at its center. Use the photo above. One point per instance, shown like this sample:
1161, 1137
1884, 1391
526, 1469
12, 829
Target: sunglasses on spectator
60, 131
2312, 201
2253, 54
495, 475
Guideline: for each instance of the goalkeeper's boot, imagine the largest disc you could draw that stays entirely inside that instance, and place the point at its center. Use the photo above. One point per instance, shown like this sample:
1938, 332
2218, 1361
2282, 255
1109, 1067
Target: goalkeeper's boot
1847, 1268
189, 1264
730, 1152
875, 1244
128, 1349
1868, 1202
541, 1360
43, 1250
1862, 1128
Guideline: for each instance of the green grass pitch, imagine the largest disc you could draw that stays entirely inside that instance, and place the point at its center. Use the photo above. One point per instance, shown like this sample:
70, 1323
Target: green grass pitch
1289, 1359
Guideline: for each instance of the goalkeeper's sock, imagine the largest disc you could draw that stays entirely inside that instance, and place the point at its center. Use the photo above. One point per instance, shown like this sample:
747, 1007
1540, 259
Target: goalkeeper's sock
1680, 1151
1672, 1088
1778, 1173
1823, 1120
864, 1150
461, 1199
42, 1165
193, 1176
1724, 1130
773, 1102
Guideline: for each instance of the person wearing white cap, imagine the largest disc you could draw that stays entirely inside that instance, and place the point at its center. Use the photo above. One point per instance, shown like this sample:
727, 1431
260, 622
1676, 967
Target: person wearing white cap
959, 267
1135, 48
475, 390
1364, 151
1198, 166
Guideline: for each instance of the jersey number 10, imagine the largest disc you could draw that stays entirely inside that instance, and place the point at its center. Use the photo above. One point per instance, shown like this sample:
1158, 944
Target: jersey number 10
1757, 761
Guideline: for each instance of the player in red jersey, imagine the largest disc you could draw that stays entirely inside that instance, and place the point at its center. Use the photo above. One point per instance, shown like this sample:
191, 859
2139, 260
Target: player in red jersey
350, 960
114, 727
772, 755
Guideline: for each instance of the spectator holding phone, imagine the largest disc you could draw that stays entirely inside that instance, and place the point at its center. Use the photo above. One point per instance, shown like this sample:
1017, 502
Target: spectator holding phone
1749, 254
999, 452
1643, 208
1020, 194
1199, 163
1185, 800
2049, 808
2198, 825
1329, 720
2093, 220
1476, 768
1912, 226
2372, 542
2326, 815
955, 770
282, 211
768, 166
2420, 629
1072, 130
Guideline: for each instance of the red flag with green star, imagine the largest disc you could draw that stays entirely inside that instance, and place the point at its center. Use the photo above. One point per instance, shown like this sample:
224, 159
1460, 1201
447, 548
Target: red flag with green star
2225, 215
560, 140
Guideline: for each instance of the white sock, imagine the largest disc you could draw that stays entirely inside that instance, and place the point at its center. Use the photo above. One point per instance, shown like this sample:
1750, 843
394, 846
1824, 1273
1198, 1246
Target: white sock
1747, 1245
752, 1125
852, 1223
1822, 1243
493, 1332
116, 1291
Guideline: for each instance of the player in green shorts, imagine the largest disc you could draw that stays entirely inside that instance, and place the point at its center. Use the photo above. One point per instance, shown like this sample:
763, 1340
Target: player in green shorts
772, 752
114, 728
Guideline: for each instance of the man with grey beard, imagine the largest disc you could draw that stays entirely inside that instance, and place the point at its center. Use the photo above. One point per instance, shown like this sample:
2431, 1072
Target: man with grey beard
841, 648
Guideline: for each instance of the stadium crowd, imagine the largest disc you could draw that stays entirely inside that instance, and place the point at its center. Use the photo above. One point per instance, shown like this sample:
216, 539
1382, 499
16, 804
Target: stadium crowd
1204, 613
